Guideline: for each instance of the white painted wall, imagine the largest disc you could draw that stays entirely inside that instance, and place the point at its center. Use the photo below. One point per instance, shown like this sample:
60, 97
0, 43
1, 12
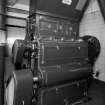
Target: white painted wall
2, 36
14, 33
94, 24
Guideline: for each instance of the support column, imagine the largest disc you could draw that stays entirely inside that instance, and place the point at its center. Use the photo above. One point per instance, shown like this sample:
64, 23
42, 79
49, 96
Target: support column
2, 21
2, 46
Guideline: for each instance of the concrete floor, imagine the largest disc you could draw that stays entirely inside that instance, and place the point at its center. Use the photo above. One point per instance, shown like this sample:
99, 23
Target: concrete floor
97, 93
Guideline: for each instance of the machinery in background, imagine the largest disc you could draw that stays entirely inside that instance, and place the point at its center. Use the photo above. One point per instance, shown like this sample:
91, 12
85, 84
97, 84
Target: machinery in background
53, 65
94, 48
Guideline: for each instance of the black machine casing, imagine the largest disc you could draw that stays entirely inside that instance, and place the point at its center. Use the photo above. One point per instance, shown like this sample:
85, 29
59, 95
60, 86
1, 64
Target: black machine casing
63, 71
69, 9
61, 63
50, 28
64, 94
57, 19
61, 53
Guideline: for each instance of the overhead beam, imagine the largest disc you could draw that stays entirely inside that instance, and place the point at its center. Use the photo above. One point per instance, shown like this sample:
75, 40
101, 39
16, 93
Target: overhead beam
15, 10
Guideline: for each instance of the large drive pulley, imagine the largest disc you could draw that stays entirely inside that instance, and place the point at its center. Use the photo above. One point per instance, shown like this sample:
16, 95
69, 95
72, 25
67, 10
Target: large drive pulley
19, 90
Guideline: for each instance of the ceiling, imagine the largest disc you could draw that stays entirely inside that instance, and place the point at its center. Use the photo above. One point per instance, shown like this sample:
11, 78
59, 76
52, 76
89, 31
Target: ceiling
19, 4
24, 2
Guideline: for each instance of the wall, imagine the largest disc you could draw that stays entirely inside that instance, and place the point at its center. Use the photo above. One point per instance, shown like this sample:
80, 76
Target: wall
15, 30
94, 24
15, 26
